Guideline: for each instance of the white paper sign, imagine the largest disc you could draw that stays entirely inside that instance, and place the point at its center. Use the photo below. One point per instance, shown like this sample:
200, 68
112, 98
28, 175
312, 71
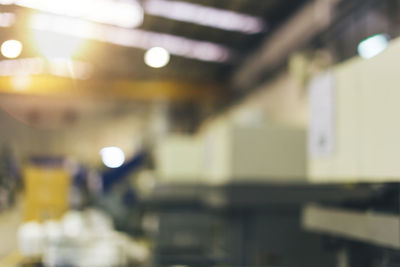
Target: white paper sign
321, 135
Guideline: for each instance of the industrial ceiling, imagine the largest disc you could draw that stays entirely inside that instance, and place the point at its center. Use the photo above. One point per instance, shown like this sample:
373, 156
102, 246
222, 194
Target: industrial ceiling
118, 62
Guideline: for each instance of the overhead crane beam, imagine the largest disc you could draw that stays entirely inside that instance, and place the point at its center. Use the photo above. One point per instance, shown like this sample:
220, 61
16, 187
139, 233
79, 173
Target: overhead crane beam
127, 90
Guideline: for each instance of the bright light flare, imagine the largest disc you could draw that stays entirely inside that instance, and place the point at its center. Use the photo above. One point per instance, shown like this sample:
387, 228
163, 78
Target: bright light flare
156, 57
180, 46
53, 45
373, 46
122, 13
70, 68
207, 16
112, 157
11, 48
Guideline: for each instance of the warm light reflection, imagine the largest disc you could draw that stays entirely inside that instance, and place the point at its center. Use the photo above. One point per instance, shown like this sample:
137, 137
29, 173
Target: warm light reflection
156, 57
21, 82
175, 45
11, 48
70, 68
207, 16
122, 13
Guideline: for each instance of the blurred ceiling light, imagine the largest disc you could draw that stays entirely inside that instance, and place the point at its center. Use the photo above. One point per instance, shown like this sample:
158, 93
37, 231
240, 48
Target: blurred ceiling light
34, 66
11, 48
156, 57
207, 16
112, 157
122, 13
53, 45
373, 46
176, 45
7, 19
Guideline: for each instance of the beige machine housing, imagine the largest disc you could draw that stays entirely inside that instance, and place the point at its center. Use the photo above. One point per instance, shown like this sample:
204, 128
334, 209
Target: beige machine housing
365, 132
179, 159
259, 153
226, 153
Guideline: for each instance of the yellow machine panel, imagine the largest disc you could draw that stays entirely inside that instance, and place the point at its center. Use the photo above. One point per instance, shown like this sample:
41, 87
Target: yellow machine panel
46, 192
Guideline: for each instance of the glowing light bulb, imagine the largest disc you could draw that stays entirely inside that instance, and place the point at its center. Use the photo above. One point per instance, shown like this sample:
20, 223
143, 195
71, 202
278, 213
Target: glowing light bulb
373, 46
11, 48
156, 57
112, 157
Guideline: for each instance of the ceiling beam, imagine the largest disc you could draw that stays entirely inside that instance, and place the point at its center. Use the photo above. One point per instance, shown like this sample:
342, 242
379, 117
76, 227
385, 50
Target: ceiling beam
310, 20
124, 90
